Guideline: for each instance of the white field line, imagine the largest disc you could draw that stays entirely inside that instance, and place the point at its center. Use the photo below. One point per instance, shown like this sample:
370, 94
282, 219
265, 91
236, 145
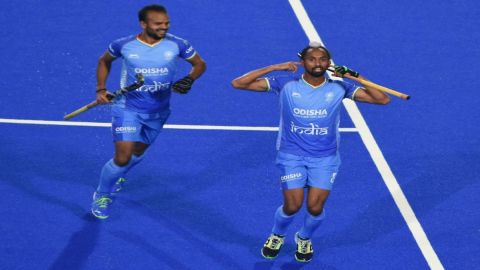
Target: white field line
99, 124
377, 156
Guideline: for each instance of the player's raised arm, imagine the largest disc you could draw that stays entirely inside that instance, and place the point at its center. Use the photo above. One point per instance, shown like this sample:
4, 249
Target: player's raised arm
369, 94
253, 80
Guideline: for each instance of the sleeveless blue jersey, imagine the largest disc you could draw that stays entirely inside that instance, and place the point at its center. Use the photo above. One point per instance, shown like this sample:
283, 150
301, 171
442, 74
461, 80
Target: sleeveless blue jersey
157, 63
309, 116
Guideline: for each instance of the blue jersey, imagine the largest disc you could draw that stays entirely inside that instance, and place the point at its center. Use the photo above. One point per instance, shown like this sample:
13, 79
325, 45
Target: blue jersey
157, 63
309, 116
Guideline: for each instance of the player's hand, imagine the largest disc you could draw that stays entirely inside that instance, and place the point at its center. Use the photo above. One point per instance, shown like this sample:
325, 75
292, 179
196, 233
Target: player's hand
103, 96
340, 71
183, 85
287, 66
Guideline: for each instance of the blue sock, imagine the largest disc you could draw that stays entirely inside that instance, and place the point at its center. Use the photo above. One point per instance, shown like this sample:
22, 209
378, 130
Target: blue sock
310, 224
134, 161
281, 221
110, 174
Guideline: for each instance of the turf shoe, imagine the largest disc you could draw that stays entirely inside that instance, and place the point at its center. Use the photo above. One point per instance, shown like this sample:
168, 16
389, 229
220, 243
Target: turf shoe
272, 246
100, 205
304, 251
118, 185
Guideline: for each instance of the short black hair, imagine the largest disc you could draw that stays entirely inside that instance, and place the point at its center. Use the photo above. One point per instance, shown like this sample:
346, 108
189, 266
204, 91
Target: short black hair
142, 14
313, 45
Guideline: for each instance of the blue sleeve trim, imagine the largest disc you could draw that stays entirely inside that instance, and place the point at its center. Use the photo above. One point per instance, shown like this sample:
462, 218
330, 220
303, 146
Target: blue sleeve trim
350, 88
115, 48
276, 83
185, 50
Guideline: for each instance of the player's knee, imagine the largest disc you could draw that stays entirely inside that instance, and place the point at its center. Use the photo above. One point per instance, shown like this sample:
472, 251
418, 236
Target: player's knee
292, 207
122, 160
315, 209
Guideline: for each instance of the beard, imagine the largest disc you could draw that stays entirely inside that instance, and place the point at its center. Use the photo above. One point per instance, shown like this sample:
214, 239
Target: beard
316, 74
153, 34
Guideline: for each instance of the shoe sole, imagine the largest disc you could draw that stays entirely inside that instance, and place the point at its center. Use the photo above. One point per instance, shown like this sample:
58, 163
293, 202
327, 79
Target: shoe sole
99, 217
300, 260
93, 213
268, 258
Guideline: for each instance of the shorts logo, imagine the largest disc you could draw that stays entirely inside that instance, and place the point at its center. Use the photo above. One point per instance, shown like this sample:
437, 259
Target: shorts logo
333, 177
290, 177
296, 94
125, 129
133, 56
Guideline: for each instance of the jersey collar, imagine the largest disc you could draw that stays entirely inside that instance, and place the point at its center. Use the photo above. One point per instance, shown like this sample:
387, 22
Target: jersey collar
318, 86
149, 45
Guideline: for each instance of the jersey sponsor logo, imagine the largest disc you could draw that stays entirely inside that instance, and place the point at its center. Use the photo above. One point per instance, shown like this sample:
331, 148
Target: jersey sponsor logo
126, 129
152, 71
155, 87
296, 94
133, 56
310, 113
311, 129
290, 177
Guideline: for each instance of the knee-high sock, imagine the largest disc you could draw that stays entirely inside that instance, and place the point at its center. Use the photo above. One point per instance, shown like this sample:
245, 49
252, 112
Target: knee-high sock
110, 174
281, 221
310, 224
134, 161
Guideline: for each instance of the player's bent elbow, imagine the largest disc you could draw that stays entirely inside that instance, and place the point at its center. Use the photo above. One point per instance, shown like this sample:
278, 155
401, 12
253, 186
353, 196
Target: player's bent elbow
203, 64
237, 85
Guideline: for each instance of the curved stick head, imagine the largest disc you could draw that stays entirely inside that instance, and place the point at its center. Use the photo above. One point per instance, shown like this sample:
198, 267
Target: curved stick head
140, 78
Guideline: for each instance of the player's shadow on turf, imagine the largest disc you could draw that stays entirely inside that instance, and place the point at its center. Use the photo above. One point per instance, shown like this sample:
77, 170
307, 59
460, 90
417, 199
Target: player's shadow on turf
168, 196
152, 250
79, 247
293, 265
171, 188
178, 228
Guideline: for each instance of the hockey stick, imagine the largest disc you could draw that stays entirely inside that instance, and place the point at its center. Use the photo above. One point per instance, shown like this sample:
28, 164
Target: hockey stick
138, 83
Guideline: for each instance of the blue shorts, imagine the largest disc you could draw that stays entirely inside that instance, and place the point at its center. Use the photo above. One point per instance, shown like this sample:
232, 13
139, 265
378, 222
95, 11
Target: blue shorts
299, 172
137, 127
